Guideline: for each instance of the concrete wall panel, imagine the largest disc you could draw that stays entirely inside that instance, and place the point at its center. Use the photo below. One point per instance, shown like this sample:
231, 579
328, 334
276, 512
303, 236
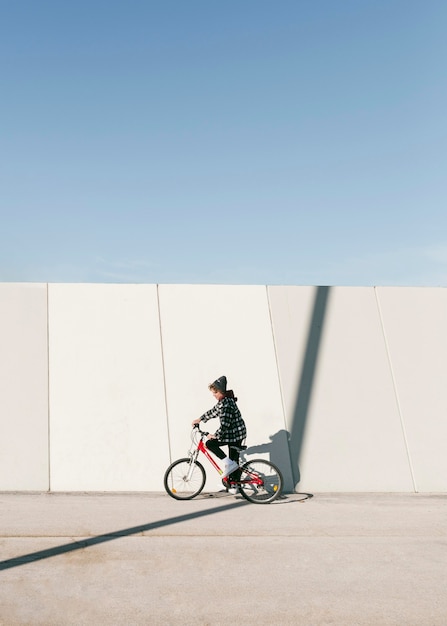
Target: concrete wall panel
209, 331
415, 321
343, 387
23, 387
107, 418
342, 415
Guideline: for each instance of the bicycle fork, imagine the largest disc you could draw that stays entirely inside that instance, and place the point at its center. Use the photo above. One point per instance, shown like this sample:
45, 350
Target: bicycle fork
192, 460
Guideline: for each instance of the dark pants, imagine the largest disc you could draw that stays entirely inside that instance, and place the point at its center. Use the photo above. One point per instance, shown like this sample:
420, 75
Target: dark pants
214, 445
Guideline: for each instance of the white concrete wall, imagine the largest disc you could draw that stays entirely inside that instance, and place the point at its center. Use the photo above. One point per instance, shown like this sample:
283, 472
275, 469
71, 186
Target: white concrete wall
349, 425
415, 323
23, 387
209, 331
108, 425
343, 388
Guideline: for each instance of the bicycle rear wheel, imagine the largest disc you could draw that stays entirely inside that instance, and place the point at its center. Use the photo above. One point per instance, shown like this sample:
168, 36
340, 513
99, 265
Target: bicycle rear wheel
184, 479
260, 482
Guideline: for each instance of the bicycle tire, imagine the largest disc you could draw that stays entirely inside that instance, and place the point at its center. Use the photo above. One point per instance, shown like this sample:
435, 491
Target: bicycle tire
267, 490
176, 483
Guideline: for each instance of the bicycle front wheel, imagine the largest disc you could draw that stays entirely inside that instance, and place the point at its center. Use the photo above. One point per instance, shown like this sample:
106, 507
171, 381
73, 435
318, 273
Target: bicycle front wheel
260, 482
184, 479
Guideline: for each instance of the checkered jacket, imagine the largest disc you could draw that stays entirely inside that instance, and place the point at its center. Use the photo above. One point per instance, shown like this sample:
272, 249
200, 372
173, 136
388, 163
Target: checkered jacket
232, 426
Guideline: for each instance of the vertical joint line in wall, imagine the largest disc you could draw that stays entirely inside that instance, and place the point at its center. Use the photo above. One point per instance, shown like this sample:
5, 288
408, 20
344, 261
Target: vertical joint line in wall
48, 390
278, 374
396, 393
164, 373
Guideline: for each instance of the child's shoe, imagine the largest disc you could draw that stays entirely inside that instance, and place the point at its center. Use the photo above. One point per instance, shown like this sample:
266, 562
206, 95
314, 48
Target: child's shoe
229, 467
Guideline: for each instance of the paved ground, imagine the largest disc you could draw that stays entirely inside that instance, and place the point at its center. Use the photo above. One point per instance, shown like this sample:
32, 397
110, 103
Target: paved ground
147, 559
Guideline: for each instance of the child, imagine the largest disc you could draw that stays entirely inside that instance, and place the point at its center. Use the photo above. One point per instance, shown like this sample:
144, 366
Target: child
232, 427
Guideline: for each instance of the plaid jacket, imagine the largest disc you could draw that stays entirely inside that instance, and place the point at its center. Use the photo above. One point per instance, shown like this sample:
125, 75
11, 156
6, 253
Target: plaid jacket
232, 426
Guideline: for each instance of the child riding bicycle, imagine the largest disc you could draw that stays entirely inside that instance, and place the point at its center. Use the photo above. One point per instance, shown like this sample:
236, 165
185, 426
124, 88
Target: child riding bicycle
232, 430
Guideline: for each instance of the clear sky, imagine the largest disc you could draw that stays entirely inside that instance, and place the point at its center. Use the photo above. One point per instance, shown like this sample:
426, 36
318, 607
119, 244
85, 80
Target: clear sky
297, 142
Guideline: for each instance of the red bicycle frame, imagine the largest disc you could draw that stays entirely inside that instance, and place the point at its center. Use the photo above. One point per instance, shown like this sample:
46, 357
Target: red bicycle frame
252, 477
202, 448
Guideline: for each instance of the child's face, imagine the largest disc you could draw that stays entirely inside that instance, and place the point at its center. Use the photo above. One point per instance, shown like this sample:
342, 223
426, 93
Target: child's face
217, 394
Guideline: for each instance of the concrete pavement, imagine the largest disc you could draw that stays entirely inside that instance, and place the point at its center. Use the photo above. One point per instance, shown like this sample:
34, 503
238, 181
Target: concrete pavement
343, 559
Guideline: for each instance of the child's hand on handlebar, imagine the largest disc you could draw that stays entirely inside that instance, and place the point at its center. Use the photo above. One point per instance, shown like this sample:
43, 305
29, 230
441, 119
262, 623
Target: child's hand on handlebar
196, 424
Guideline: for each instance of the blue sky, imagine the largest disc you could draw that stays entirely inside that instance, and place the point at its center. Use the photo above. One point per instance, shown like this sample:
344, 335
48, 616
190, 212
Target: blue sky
251, 142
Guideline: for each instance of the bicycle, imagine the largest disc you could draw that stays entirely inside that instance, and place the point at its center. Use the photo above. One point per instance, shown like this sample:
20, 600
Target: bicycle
259, 481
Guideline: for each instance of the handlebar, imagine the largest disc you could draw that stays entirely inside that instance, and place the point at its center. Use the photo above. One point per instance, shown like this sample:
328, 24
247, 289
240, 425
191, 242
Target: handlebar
197, 427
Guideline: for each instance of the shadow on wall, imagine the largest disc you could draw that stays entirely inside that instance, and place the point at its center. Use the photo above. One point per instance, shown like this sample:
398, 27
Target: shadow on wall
300, 413
297, 414
275, 448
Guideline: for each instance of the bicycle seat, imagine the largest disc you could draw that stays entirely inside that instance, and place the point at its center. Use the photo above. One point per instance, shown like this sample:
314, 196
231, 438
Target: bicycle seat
239, 448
